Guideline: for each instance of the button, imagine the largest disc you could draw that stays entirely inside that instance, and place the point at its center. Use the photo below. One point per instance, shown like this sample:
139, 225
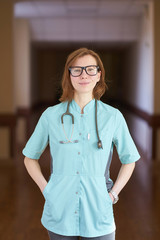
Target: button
79, 153
81, 115
77, 172
75, 212
80, 134
76, 192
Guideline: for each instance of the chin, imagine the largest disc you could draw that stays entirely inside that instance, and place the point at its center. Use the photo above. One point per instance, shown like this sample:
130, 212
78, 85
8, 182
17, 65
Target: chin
81, 92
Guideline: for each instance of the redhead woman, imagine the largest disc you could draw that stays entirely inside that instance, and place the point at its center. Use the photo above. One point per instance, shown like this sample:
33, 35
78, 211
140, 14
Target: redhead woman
81, 131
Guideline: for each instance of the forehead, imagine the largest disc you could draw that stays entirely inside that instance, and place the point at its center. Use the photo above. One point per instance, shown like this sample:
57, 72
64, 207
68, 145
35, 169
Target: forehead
85, 61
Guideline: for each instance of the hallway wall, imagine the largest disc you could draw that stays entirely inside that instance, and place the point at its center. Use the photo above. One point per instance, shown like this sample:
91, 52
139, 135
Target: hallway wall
6, 56
157, 67
22, 77
139, 67
138, 81
7, 106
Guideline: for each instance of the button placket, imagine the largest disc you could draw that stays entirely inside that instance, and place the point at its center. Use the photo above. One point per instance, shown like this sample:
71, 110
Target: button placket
79, 164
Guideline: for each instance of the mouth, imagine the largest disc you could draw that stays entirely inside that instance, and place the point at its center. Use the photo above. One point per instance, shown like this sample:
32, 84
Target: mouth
84, 83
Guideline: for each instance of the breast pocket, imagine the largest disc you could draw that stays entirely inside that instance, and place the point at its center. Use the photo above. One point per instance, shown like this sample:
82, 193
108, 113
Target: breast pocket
92, 141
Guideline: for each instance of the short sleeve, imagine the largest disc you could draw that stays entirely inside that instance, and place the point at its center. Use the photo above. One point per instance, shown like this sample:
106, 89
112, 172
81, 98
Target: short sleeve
38, 140
123, 141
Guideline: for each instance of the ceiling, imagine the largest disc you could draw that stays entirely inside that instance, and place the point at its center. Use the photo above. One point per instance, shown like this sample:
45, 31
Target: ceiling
60, 19
82, 8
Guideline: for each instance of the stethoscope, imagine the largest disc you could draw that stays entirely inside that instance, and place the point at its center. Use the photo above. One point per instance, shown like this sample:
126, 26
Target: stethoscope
69, 140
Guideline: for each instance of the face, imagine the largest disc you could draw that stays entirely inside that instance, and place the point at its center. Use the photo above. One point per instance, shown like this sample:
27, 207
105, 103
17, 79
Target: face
85, 83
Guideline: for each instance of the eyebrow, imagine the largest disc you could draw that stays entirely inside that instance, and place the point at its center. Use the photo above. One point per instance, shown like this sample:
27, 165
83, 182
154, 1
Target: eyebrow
85, 66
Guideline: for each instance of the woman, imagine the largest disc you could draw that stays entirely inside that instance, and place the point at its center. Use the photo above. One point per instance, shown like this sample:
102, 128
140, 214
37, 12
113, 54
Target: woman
79, 195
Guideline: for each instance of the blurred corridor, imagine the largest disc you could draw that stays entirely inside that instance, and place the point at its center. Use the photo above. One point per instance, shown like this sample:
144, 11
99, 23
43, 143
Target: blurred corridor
36, 37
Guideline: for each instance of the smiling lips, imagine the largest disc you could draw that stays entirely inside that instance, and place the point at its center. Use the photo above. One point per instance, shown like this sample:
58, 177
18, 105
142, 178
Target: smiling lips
84, 83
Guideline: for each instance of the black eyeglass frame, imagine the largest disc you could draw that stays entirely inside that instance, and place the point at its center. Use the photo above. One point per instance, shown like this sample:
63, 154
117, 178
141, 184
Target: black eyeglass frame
97, 67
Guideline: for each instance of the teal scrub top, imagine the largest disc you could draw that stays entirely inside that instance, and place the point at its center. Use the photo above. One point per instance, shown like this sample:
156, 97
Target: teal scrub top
76, 196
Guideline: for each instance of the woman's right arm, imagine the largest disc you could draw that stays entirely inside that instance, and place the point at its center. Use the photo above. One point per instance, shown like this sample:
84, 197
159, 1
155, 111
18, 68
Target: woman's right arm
35, 172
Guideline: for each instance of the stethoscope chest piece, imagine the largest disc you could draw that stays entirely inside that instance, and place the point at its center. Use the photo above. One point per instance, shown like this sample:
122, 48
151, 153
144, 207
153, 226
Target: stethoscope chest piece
99, 143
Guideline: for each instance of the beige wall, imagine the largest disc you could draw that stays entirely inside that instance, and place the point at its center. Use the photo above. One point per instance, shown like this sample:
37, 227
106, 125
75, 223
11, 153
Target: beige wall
22, 63
22, 75
6, 57
6, 71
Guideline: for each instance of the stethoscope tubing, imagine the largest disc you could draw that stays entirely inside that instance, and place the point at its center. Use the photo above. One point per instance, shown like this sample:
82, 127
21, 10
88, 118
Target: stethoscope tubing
99, 143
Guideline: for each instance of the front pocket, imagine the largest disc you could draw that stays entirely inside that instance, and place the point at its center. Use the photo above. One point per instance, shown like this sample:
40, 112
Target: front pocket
109, 198
47, 187
44, 190
106, 192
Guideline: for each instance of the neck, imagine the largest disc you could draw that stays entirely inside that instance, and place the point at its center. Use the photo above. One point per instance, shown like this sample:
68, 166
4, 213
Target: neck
82, 100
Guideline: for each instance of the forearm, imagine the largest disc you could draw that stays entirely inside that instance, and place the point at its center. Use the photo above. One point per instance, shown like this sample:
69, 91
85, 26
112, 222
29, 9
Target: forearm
124, 175
34, 171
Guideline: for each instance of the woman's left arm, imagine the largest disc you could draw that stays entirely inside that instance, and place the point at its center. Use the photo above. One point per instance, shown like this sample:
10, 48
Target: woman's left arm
124, 175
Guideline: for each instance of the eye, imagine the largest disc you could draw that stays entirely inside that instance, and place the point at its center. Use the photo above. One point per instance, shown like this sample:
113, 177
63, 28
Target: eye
91, 69
77, 70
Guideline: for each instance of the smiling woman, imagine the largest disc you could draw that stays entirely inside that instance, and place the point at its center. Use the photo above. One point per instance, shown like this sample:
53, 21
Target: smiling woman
84, 59
79, 195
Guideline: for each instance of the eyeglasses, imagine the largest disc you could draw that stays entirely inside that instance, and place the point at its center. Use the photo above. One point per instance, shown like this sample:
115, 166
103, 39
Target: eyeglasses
91, 70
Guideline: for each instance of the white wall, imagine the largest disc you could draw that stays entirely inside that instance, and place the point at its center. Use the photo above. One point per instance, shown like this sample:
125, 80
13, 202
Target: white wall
138, 84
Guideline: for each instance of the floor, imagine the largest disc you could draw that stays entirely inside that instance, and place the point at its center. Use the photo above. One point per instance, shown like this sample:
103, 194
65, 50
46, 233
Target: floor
137, 213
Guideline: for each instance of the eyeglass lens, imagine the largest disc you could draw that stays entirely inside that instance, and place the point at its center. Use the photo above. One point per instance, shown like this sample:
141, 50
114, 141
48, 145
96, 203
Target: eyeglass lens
77, 71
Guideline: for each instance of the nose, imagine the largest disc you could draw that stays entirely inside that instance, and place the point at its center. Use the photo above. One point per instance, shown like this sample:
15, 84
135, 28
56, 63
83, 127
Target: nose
84, 74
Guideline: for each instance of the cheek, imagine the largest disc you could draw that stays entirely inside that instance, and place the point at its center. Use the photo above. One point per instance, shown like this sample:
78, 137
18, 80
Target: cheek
73, 82
94, 80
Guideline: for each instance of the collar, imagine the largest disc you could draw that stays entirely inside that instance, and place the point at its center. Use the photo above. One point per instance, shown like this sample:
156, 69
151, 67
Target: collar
89, 106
